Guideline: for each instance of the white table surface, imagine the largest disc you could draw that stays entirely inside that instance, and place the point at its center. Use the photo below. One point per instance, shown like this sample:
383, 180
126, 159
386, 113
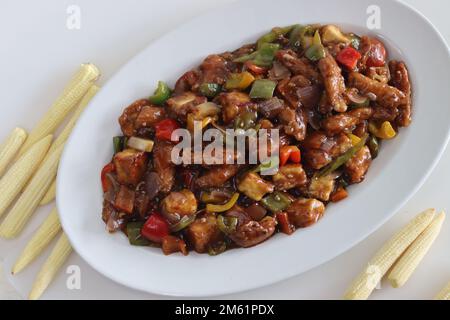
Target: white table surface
38, 55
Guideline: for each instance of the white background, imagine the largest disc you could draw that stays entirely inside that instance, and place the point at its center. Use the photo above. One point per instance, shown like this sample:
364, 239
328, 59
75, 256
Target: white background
38, 56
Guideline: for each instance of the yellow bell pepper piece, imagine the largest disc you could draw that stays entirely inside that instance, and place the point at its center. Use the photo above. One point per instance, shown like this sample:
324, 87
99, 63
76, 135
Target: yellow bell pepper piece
239, 80
385, 131
223, 207
354, 139
191, 118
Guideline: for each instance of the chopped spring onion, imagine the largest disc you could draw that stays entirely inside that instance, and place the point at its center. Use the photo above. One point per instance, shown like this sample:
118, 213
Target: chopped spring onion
374, 146
210, 90
341, 160
140, 144
217, 248
119, 143
227, 224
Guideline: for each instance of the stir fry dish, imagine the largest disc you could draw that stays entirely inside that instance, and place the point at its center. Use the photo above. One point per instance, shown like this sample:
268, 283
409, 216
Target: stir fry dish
332, 96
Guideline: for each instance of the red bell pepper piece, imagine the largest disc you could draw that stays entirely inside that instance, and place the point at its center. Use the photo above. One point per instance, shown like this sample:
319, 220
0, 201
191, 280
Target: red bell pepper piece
339, 195
348, 57
105, 181
283, 221
376, 55
155, 228
165, 128
291, 153
253, 68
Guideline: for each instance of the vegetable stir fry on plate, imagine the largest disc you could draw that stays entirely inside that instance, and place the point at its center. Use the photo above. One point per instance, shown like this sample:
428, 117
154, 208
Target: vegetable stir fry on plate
332, 96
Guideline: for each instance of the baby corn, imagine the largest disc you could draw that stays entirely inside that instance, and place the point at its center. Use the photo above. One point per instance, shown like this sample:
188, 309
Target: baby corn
54, 262
368, 279
50, 195
10, 148
72, 94
62, 138
31, 197
21, 171
411, 258
43, 236
444, 294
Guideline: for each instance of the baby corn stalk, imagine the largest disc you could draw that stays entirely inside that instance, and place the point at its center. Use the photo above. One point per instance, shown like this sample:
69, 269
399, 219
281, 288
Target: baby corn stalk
31, 196
410, 259
62, 138
10, 148
43, 236
444, 294
50, 195
21, 171
377, 267
54, 262
72, 94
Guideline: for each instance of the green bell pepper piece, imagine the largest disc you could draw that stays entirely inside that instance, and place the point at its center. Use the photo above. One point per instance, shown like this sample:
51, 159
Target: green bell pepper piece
316, 51
210, 90
161, 94
276, 202
119, 143
263, 57
134, 234
245, 121
227, 224
263, 89
273, 35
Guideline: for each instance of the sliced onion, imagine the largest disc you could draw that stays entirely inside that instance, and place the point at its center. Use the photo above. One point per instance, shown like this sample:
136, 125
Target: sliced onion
140, 144
279, 72
270, 108
110, 195
207, 109
152, 184
115, 222
309, 96
183, 223
372, 96
356, 98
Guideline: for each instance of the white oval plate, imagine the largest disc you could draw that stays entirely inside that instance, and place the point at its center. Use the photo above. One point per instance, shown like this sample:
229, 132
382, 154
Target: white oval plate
401, 168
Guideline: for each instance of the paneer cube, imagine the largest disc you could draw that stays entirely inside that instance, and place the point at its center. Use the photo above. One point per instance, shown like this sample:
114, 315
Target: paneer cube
181, 203
149, 116
130, 166
290, 176
124, 201
305, 212
203, 232
255, 187
182, 104
321, 188
233, 103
